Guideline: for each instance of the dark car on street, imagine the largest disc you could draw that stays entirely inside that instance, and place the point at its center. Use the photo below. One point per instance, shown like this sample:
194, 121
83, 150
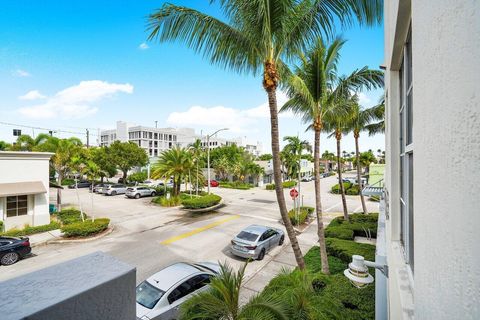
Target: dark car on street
13, 249
80, 184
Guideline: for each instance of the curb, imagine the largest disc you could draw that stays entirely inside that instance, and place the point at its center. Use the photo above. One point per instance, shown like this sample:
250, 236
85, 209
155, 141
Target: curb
98, 236
203, 210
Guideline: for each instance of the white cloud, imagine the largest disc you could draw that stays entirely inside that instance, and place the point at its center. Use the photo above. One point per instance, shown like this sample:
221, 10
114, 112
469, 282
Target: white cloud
75, 101
143, 46
21, 73
363, 99
32, 95
237, 120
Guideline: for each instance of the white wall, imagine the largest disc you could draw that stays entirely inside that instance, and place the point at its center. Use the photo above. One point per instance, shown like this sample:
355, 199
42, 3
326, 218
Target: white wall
446, 139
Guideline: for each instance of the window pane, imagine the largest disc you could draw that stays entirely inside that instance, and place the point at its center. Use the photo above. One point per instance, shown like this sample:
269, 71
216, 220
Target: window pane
409, 60
401, 84
402, 143
11, 212
11, 199
11, 205
22, 211
402, 201
409, 123
410, 210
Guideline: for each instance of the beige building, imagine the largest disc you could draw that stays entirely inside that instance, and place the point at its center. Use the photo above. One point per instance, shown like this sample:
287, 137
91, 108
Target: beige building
24, 188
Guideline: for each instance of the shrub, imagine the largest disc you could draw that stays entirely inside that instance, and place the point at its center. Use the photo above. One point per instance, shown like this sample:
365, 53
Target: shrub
270, 186
161, 191
70, 215
27, 230
68, 182
173, 201
1, 225
137, 177
289, 184
201, 202
313, 262
353, 190
86, 228
236, 185
305, 212
358, 225
344, 249
336, 188
375, 198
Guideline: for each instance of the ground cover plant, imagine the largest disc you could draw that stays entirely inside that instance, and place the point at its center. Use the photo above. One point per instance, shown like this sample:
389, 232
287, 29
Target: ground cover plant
201, 202
305, 212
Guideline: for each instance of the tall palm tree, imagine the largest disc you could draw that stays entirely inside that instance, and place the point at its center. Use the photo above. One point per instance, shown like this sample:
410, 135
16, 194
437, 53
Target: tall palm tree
314, 89
196, 150
27, 143
222, 301
176, 162
258, 36
378, 115
357, 123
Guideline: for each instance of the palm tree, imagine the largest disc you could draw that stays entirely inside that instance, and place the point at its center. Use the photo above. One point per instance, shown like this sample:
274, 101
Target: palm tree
314, 89
378, 114
27, 143
222, 301
196, 150
357, 122
176, 162
257, 37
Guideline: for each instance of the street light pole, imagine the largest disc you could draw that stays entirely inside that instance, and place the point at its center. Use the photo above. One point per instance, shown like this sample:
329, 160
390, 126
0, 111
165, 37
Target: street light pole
208, 157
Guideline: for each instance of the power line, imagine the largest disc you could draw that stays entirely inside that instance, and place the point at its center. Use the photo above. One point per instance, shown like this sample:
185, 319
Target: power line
49, 129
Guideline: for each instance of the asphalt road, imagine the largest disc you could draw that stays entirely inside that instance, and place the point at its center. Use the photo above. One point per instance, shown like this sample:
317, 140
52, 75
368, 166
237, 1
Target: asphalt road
150, 237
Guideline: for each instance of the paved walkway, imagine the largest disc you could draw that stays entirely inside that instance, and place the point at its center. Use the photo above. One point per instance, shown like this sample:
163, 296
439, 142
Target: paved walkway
39, 239
283, 260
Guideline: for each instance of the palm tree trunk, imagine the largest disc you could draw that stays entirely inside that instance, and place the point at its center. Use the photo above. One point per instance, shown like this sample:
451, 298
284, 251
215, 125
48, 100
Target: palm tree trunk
340, 182
277, 175
359, 180
59, 193
318, 205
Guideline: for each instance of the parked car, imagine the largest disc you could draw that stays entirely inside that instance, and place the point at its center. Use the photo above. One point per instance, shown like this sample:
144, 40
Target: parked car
13, 249
307, 178
137, 192
98, 188
114, 189
160, 296
80, 184
162, 184
213, 183
255, 241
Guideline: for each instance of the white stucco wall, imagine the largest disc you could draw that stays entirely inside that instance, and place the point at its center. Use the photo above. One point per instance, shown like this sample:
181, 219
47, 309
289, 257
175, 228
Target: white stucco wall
26, 167
446, 144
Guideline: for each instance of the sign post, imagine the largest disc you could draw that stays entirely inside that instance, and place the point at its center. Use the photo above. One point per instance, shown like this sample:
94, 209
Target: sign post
294, 195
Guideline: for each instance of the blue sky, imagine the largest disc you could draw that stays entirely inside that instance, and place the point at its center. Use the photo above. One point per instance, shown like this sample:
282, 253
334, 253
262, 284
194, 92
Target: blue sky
69, 65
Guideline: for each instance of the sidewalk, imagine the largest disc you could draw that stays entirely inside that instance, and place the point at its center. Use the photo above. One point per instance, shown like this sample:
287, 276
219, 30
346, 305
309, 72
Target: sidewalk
39, 239
282, 260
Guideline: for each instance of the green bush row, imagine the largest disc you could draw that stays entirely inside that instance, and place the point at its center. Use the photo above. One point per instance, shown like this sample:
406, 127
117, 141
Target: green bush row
86, 228
344, 249
173, 201
28, 230
285, 184
201, 202
336, 188
305, 212
358, 225
70, 215
235, 185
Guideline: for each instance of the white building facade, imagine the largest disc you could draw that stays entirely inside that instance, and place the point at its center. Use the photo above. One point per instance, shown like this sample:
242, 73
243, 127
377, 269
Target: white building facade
24, 188
432, 204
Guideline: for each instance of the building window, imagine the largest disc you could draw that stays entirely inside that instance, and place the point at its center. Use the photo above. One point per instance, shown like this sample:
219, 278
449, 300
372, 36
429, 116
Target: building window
17, 206
155, 136
406, 154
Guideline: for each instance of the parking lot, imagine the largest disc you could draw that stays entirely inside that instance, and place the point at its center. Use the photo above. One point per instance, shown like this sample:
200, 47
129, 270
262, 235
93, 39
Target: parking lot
151, 237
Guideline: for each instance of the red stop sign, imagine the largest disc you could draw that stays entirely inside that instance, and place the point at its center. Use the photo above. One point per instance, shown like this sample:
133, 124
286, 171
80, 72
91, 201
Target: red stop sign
293, 193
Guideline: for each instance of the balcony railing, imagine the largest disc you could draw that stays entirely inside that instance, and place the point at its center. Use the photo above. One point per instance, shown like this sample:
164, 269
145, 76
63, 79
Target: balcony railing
375, 189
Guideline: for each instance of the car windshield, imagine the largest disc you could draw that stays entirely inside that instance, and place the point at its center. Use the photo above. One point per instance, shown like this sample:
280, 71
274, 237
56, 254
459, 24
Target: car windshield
244, 235
148, 295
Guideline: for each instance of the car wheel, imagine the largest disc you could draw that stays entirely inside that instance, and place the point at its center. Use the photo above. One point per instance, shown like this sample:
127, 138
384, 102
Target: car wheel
137, 196
282, 239
114, 193
153, 194
9, 258
261, 255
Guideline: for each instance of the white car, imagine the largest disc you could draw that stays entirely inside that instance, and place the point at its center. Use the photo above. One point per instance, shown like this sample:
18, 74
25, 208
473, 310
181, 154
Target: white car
160, 296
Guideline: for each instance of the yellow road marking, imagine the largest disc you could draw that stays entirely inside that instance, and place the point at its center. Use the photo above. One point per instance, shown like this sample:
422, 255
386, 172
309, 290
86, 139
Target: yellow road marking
198, 230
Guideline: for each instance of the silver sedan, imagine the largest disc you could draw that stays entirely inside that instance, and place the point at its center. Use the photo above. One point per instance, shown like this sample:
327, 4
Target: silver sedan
255, 241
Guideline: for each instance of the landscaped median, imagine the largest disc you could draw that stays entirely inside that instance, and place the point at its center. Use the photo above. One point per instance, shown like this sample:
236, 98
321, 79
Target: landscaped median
305, 213
202, 203
350, 189
314, 295
285, 184
235, 185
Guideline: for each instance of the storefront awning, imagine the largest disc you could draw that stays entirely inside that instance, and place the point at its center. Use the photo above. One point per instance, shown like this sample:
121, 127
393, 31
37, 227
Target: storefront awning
21, 188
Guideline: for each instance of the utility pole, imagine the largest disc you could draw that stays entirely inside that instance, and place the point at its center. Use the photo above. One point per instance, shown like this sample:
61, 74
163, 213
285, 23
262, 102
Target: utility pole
156, 124
88, 138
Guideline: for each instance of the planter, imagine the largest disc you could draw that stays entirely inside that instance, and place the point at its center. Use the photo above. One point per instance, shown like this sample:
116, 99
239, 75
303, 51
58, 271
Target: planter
203, 210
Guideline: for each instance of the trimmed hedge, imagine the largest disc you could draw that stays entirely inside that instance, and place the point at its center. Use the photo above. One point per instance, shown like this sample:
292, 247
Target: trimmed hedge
201, 202
235, 185
305, 212
86, 228
70, 215
353, 190
336, 188
285, 184
357, 225
344, 249
68, 182
31, 230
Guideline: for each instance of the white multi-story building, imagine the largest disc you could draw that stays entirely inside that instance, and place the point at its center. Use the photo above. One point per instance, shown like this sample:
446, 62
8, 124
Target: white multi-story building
432, 204
156, 140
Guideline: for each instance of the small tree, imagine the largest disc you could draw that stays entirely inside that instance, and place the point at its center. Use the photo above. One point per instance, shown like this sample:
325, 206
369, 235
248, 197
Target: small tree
102, 158
126, 155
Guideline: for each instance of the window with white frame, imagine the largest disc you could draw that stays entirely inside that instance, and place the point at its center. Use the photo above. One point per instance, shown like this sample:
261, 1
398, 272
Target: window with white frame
17, 206
406, 154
